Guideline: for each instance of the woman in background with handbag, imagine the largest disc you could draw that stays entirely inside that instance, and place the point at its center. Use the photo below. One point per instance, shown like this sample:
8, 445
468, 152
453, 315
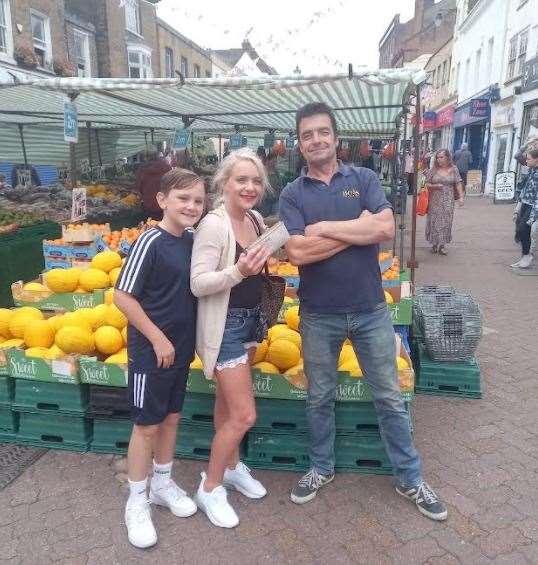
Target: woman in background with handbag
444, 185
227, 278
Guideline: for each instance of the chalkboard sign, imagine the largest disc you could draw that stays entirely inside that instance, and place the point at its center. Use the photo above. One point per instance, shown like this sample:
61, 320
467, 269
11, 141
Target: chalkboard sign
505, 187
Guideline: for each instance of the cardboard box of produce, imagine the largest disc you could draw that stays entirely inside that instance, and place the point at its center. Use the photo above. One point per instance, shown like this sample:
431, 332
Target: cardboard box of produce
48, 300
65, 370
93, 371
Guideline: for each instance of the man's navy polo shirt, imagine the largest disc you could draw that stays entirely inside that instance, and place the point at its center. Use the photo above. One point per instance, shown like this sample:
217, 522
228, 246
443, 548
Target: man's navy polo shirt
349, 281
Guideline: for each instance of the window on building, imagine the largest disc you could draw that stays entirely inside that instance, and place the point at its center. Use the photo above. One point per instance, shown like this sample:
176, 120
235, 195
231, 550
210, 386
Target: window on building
465, 86
489, 61
443, 80
456, 78
81, 54
471, 4
522, 53
477, 72
6, 36
512, 57
208, 74
196, 71
433, 78
439, 77
41, 38
132, 16
184, 67
169, 62
139, 63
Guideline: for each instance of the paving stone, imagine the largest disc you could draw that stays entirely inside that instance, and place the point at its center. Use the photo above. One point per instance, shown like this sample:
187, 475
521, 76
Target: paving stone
502, 541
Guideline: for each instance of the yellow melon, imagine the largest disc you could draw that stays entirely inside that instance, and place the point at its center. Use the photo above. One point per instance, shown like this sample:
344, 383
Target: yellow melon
197, 363
85, 315
62, 280
388, 297
35, 287
109, 296
292, 317
73, 319
401, 363
75, 339
53, 320
108, 340
106, 261
352, 367
39, 334
80, 290
115, 317
288, 300
266, 367
5, 317
39, 352
124, 335
55, 352
20, 320
299, 368
261, 350
347, 354
291, 335
113, 275
283, 353
98, 316
275, 331
14, 342
119, 358
32, 310
93, 279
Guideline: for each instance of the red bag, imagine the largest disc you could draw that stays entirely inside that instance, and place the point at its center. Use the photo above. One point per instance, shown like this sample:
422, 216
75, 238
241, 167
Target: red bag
422, 203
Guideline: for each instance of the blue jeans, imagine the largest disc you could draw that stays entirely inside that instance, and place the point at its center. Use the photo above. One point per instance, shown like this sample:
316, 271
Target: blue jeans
372, 336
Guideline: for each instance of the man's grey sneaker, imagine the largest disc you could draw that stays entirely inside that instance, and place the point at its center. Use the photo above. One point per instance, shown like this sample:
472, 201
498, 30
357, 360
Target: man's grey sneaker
308, 486
427, 501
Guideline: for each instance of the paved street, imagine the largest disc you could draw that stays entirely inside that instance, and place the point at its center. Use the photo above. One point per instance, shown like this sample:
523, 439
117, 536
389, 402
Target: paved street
481, 455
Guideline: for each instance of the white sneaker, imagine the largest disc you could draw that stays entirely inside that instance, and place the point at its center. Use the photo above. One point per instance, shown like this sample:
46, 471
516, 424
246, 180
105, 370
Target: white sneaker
516, 264
215, 505
241, 480
140, 529
526, 261
174, 498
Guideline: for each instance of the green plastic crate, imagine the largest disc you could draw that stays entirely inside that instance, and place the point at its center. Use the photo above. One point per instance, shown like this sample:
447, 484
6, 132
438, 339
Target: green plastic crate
60, 398
54, 432
7, 388
281, 415
9, 421
198, 408
460, 379
194, 441
111, 435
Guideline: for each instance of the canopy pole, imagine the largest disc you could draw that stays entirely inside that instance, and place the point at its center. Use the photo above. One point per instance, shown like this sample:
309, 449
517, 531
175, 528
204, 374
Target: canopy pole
146, 140
98, 145
412, 263
152, 131
72, 152
21, 134
90, 156
220, 147
394, 185
403, 189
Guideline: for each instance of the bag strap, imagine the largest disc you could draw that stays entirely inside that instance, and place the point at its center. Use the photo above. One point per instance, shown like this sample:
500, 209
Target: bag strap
258, 229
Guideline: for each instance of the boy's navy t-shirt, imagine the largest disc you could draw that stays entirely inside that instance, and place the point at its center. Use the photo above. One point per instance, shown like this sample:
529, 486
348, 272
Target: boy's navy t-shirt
349, 281
157, 274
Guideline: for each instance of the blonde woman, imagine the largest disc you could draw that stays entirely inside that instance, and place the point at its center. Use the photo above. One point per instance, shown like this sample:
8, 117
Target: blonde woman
225, 276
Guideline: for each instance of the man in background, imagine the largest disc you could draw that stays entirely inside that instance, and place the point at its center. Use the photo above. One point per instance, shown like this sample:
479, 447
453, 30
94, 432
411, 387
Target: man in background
463, 159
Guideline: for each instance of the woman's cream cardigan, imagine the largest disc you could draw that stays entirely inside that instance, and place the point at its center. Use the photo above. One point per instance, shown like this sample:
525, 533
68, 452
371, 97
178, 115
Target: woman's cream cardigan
213, 274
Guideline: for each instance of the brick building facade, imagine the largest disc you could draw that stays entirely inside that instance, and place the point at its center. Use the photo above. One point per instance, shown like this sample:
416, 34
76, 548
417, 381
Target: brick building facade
430, 28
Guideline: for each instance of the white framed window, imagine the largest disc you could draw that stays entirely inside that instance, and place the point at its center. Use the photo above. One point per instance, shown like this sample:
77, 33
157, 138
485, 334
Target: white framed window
184, 67
6, 34
169, 62
208, 74
478, 59
41, 38
512, 56
491, 44
132, 16
139, 60
197, 73
522, 52
81, 54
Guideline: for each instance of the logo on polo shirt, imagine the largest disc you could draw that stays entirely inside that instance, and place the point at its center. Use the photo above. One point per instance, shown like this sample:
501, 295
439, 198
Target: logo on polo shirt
351, 193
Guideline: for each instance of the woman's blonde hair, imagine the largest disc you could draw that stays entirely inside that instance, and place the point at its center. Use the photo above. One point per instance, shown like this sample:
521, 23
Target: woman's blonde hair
225, 168
448, 155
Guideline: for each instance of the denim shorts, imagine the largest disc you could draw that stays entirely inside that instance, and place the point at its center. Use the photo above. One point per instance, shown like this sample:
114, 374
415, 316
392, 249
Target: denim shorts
240, 334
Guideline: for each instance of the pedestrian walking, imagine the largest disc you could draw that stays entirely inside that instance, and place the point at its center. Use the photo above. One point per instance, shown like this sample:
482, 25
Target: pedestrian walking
336, 216
226, 278
444, 184
526, 211
153, 291
409, 164
463, 159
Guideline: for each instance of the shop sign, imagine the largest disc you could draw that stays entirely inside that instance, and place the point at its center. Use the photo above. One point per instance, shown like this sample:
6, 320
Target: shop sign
505, 187
503, 115
479, 108
530, 75
181, 138
445, 117
236, 141
70, 122
428, 120
463, 115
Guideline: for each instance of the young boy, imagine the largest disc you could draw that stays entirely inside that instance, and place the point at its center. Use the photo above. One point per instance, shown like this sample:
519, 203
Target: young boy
153, 291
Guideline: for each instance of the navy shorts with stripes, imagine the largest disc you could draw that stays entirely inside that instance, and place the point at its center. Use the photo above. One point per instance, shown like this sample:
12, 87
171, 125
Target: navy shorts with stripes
155, 393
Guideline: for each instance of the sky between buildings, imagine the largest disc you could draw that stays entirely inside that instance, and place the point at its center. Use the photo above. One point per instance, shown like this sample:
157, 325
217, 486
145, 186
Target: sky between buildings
316, 35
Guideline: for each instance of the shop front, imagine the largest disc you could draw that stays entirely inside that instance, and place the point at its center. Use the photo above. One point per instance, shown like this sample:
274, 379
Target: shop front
502, 140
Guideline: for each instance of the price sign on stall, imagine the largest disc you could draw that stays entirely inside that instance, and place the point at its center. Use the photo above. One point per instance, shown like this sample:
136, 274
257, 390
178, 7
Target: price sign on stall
236, 141
70, 122
78, 204
505, 187
181, 138
290, 142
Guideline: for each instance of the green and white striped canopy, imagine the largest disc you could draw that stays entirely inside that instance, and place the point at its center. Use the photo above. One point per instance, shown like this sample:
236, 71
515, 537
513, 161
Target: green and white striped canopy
366, 104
